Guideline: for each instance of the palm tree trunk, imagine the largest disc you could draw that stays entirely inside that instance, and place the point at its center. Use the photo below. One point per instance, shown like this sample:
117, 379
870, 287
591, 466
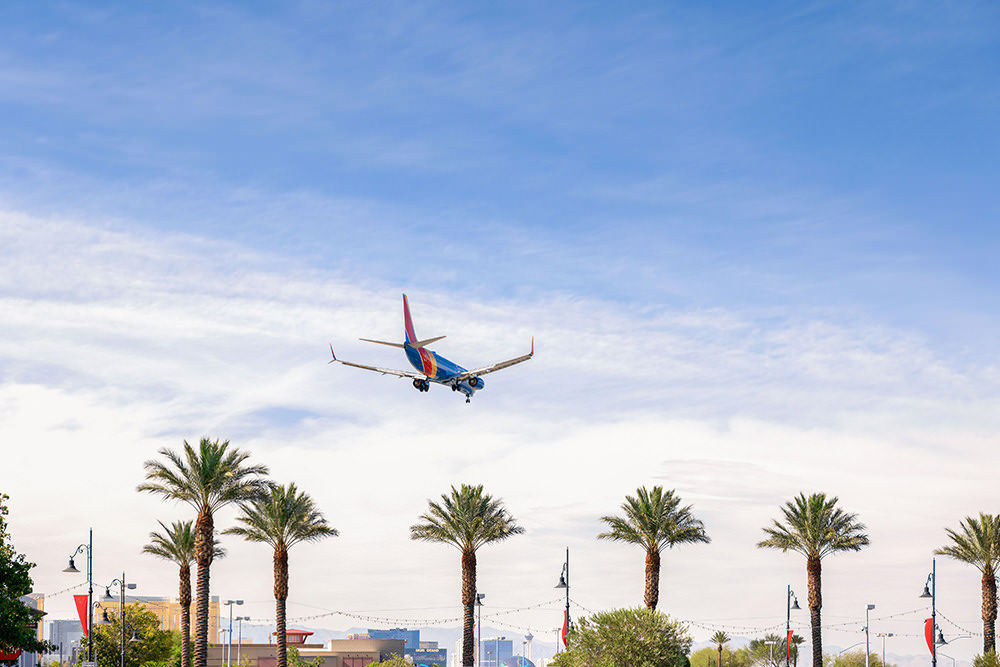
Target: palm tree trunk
813, 571
280, 596
184, 597
469, 608
203, 551
652, 578
989, 610
720, 655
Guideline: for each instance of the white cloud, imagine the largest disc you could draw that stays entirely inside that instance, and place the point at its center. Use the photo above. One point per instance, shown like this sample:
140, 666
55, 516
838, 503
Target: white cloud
116, 342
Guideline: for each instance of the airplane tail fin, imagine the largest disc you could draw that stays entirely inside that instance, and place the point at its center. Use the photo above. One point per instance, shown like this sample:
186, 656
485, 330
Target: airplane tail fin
411, 337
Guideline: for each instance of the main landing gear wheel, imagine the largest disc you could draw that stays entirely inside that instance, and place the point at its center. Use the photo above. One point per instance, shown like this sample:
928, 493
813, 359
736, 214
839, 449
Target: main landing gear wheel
468, 400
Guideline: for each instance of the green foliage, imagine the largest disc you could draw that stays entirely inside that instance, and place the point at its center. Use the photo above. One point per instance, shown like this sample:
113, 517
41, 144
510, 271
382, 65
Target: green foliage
988, 659
145, 644
467, 519
815, 527
395, 661
296, 660
709, 657
653, 520
853, 659
18, 622
282, 518
634, 637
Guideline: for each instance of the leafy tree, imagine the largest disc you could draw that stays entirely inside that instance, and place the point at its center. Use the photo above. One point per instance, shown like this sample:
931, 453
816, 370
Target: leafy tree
296, 660
853, 659
207, 478
977, 542
176, 544
395, 661
639, 637
815, 527
144, 641
653, 520
18, 621
466, 519
709, 657
767, 651
282, 519
987, 659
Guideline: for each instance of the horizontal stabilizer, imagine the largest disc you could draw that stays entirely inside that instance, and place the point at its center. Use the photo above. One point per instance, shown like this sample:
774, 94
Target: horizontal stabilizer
382, 342
425, 343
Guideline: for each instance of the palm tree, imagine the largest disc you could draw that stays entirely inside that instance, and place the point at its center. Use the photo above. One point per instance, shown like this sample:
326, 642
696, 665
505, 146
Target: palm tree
467, 519
284, 518
720, 638
654, 520
797, 641
206, 478
978, 543
176, 544
815, 527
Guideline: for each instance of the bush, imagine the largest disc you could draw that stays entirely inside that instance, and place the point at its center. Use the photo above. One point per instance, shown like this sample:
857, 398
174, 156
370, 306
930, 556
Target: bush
626, 637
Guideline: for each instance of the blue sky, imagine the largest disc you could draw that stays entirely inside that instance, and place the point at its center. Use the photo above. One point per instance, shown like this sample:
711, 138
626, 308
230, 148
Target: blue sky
744, 225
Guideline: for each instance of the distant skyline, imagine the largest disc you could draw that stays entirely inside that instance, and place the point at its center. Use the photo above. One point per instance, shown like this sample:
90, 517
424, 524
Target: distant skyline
755, 245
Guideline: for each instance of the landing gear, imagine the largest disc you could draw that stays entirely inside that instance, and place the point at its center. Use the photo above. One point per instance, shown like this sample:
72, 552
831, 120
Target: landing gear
421, 385
468, 400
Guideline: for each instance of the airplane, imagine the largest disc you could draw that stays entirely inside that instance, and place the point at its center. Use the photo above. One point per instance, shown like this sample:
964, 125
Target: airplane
431, 366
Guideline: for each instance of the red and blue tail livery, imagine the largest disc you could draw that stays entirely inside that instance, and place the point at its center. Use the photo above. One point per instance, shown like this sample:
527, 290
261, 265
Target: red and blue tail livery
431, 366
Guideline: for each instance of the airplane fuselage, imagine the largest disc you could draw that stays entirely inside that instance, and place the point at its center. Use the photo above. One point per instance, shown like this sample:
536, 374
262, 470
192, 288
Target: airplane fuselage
441, 370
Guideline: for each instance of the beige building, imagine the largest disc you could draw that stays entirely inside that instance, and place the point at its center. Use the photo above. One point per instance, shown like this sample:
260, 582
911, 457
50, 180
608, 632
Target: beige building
168, 610
336, 652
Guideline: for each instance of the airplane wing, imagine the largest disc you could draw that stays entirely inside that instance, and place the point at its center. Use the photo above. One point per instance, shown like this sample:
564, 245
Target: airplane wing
383, 371
497, 366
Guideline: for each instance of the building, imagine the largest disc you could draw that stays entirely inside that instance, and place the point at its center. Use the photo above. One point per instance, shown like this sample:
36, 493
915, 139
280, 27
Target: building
420, 652
168, 610
66, 635
495, 650
357, 652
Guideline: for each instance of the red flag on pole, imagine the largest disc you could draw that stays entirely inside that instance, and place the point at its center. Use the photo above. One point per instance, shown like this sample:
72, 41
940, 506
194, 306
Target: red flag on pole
81, 609
565, 628
788, 645
929, 634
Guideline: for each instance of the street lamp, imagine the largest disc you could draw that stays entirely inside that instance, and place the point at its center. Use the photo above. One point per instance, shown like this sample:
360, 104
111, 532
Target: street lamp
239, 637
564, 583
867, 645
229, 639
788, 623
883, 635
121, 615
89, 546
479, 627
932, 594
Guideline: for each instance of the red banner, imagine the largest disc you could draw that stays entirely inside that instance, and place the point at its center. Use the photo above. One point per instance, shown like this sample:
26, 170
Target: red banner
788, 645
929, 634
81, 610
565, 628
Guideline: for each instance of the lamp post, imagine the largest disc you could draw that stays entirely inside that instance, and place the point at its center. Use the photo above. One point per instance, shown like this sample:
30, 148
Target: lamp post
121, 607
883, 635
89, 546
788, 623
932, 594
479, 628
564, 583
229, 638
868, 651
239, 637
